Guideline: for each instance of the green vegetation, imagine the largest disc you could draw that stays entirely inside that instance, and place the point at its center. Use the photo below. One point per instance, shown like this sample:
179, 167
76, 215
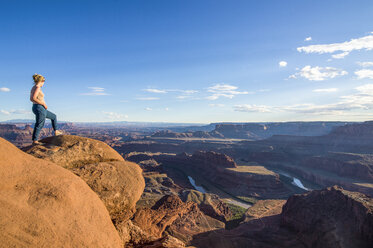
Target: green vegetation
237, 216
237, 211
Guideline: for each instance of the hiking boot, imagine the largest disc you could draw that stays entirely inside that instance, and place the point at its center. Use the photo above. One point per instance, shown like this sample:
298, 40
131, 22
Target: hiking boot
57, 132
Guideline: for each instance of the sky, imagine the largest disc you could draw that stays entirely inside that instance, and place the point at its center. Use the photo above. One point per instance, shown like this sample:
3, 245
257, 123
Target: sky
190, 61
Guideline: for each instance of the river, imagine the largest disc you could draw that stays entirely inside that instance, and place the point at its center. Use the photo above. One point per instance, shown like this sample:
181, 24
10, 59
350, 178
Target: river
295, 181
228, 200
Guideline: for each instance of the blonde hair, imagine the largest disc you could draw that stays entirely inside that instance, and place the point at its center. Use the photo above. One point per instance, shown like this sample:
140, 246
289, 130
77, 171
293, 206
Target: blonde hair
38, 78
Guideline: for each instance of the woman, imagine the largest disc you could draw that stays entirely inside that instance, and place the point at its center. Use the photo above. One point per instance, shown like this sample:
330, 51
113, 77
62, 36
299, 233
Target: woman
39, 108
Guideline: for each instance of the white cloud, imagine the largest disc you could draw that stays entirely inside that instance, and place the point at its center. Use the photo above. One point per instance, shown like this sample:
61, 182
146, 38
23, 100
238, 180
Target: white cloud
17, 111
365, 64
114, 115
340, 55
363, 43
188, 91
283, 63
223, 90
360, 100
4, 89
308, 39
147, 98
253, 108
318, 73
96, 91
4, 112
155, 91
326, 90
148, 109
167, 109
183, 96
364, 73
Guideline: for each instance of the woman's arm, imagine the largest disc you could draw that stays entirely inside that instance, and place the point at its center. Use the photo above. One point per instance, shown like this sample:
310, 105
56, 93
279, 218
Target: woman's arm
33, 97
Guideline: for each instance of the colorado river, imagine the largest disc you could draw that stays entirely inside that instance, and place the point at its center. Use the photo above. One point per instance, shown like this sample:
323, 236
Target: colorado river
295, 181
199, 188
228, 200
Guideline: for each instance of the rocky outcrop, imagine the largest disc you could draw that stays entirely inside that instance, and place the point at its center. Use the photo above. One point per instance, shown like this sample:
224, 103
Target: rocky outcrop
118, 183
212, 159
209, 204
45, 205
72, 151
331, 217
263, 208
173, 216
165, 242
343, 164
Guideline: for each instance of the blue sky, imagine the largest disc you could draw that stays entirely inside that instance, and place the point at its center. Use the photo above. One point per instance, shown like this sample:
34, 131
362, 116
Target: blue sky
189, 61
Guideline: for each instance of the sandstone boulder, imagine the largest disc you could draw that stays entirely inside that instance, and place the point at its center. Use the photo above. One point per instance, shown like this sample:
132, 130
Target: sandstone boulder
71, 151
118, 183
45, 205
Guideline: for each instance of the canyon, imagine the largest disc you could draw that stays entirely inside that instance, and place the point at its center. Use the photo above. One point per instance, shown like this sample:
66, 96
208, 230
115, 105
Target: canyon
213, 186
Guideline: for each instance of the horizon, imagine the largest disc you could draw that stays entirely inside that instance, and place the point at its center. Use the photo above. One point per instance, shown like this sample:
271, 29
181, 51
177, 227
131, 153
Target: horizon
17, 121
189, 62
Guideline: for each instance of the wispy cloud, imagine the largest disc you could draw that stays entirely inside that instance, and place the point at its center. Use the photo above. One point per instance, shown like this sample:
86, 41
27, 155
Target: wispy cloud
365, 64
318, 73
17, 111
147, 98
183, 96
148, 109
340, 55
155, 90
223, 90
326, 90
360, 100
96, 91
4, 89
282, 63
308, 38
114, 115
344, 48
252, 108
364, 73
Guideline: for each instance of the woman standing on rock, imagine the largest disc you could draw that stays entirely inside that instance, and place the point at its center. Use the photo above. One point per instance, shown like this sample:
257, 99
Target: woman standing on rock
39, 108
